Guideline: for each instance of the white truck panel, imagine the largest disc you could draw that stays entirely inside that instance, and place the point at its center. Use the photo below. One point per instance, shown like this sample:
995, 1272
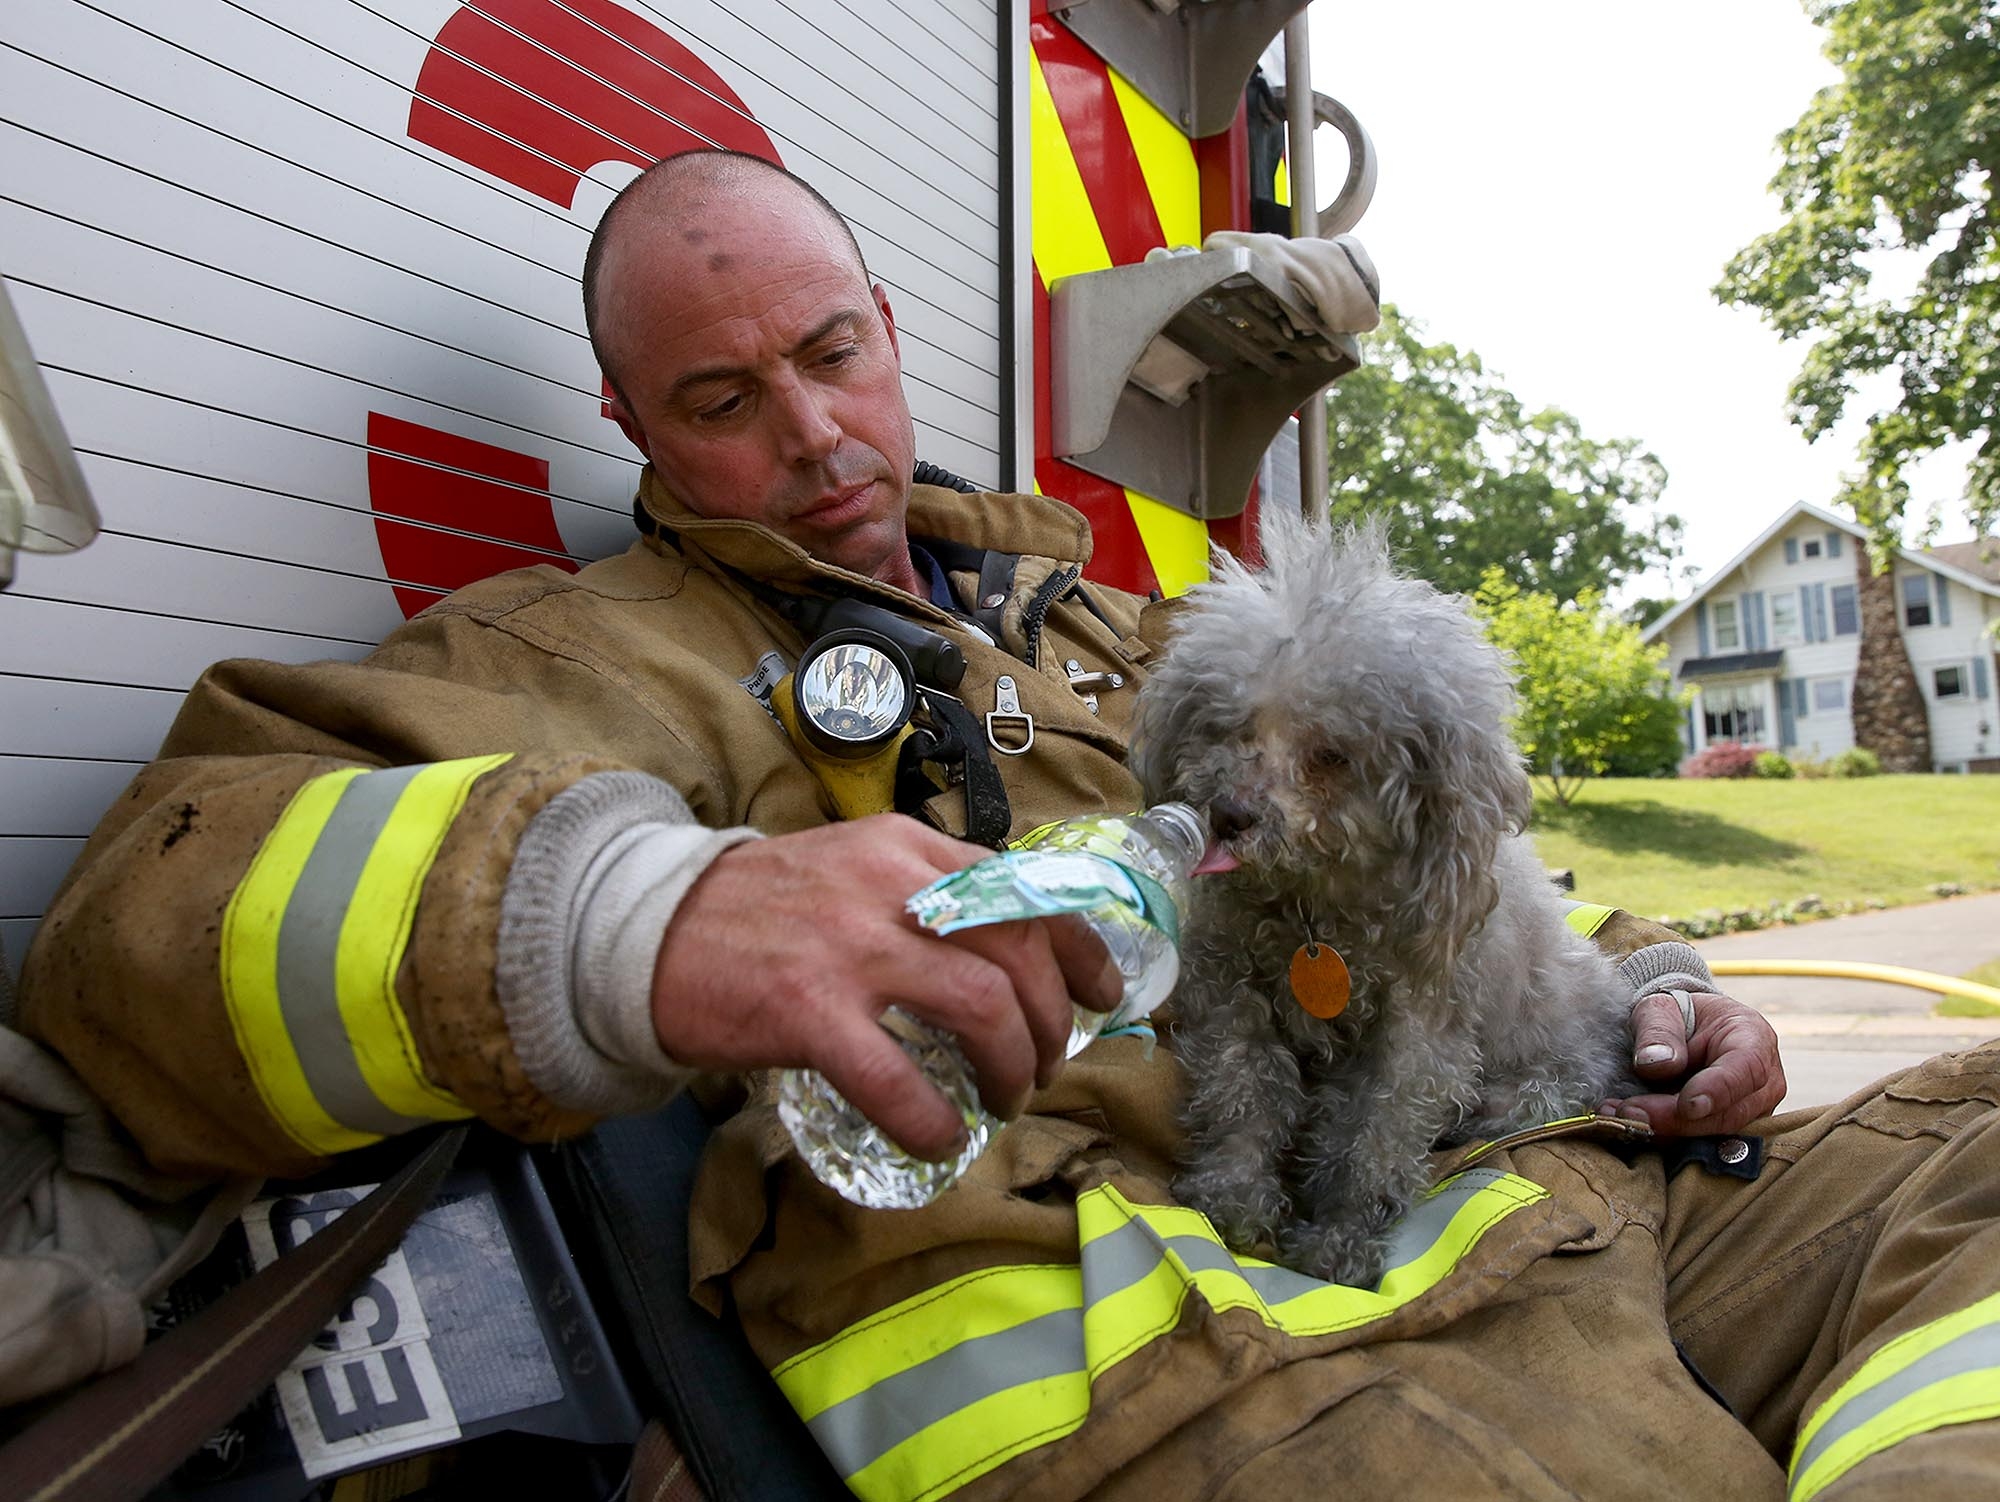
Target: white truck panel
233, 256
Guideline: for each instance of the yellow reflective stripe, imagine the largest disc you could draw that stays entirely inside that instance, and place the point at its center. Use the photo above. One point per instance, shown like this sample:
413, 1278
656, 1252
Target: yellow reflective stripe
980, 1437
311, 942
1946, 1372
953, 1382
380, 916
1065, 233
1586, 918
924, 1325
1176, 543
249, 969
1166, 161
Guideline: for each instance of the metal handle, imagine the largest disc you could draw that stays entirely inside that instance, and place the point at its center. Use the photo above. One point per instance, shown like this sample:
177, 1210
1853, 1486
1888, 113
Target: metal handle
1358, 191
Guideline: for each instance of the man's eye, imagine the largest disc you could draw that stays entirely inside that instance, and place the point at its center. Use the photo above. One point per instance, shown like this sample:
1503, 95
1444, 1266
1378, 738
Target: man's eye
840, 356
720, 410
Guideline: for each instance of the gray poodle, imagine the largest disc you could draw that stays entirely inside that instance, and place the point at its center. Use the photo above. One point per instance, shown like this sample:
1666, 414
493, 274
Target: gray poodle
1346, 731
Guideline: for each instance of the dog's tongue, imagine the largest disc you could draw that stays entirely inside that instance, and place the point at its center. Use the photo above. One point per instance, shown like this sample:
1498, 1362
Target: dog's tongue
1217, 858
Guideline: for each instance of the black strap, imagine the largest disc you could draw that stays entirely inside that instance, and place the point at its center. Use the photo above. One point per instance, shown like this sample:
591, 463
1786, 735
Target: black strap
955, 739
124, 1433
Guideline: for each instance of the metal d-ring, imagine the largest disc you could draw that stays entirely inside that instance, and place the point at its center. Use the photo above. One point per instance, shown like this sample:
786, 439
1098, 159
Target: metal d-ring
1007, 712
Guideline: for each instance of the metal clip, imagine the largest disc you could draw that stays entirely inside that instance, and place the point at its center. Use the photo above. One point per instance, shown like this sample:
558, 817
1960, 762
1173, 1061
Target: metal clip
1084, 681
1007, 711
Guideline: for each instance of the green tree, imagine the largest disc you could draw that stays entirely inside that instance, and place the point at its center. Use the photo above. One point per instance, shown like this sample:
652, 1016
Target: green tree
1899, 155
1467, 479
1594, 697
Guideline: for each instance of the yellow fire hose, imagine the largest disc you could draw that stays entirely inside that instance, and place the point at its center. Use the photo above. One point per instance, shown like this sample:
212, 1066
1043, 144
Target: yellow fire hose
1895, 975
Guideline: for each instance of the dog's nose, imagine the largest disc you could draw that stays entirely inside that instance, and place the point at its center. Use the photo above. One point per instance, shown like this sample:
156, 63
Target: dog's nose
1229, 817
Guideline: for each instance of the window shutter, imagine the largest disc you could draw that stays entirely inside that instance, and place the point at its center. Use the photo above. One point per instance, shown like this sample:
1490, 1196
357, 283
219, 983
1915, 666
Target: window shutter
1701, 628
1806, 613
1943, 603
1791, 550
1801, 700
1833, 544
1979, 688
1757, 638
1788, 730
1819, 613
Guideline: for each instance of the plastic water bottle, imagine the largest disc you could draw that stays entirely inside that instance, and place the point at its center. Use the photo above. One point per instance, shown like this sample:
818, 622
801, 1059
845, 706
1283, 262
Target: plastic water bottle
1126, 874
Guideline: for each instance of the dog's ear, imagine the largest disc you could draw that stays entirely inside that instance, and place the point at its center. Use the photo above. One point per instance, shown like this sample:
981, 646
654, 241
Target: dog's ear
1469, 793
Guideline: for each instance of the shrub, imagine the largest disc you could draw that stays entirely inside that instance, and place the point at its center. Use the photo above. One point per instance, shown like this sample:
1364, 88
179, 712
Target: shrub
1774, 765
1809, 767
1722, 760
1856, 761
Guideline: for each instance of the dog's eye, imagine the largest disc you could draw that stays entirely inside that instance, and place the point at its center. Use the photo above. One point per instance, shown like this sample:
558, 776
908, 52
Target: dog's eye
1326, 759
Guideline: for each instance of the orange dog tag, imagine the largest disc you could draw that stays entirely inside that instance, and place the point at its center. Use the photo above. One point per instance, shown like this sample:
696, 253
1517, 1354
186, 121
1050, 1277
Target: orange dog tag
1319, 980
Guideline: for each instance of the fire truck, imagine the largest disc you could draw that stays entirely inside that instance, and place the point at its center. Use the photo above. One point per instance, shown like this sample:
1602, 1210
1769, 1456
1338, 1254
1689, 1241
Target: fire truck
292, 336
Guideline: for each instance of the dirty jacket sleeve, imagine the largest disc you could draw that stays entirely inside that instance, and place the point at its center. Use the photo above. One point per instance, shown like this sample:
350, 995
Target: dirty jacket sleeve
261, 960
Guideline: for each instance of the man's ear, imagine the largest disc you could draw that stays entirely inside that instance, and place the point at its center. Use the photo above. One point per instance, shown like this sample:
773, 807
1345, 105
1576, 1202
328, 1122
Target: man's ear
616, 409
881, 296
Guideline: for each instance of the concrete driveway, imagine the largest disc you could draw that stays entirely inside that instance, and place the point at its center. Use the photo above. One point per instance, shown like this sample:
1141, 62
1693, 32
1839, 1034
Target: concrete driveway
1838, 1035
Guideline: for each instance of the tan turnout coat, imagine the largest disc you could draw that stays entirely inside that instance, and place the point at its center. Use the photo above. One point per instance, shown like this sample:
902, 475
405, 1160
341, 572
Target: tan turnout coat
1541, 1363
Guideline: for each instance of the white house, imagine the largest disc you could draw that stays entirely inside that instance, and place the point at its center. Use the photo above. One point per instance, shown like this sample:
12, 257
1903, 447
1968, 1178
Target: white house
1769, 643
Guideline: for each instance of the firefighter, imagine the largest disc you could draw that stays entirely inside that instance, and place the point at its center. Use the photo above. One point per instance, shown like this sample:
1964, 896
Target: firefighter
551, 849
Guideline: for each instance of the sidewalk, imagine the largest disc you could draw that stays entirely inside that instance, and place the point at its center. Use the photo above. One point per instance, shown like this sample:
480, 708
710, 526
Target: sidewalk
1838, 1035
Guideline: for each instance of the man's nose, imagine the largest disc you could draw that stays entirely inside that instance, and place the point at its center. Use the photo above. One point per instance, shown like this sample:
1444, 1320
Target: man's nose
808, 432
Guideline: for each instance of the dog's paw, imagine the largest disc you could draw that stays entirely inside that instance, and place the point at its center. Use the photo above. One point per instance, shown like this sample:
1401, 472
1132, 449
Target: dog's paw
1353, 1255
1246, 1212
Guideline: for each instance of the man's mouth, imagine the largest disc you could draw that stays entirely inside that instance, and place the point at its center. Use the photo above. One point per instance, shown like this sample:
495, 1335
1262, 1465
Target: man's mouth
840, 507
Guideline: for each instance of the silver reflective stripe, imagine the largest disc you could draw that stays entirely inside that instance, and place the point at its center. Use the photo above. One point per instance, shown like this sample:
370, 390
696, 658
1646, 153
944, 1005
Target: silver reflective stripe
309, 945
1114, 1262
1976, 1350
860, 1430
1429, 1219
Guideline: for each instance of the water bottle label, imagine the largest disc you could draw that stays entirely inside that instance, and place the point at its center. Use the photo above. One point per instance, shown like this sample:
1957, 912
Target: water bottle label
1018, 884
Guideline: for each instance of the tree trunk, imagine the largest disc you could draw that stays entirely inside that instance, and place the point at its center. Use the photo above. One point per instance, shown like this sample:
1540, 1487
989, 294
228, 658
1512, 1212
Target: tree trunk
1890, 718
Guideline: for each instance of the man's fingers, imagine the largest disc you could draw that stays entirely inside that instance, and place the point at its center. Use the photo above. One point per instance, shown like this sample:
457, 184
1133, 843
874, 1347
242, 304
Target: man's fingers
1025, 953
954, 986
1659, 1037
1739, 1077
868, 1066
1742, 1084
1089, 973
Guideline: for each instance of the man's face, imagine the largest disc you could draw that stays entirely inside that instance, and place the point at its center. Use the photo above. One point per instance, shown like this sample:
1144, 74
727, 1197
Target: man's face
761, 375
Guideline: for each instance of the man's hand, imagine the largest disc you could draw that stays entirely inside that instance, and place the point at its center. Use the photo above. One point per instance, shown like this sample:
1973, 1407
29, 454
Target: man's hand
786, 950
1733, 1073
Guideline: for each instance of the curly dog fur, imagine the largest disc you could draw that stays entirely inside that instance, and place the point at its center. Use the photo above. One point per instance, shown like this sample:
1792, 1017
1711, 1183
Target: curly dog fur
1346, 731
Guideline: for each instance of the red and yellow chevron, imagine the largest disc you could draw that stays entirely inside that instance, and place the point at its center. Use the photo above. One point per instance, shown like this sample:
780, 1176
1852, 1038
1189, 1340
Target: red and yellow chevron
1111, 177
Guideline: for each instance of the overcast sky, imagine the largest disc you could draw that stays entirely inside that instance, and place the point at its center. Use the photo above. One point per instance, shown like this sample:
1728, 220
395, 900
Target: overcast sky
1561, 184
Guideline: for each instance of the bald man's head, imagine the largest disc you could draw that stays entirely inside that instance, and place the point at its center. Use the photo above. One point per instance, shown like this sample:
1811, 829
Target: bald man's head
751, 360
673, 193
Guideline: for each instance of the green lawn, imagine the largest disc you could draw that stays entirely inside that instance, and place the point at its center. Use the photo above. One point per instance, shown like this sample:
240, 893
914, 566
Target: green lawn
1669, 847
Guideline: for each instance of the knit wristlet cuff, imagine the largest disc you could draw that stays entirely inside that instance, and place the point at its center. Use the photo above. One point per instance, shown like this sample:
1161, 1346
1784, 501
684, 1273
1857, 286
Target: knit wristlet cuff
1662, 967
593, 883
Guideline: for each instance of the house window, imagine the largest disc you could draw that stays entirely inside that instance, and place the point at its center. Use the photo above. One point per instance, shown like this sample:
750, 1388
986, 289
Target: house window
1727, 638
1846, 613
1812, 547
1733, 712
1829, 693
1916, 600
1785, 618
1949, 682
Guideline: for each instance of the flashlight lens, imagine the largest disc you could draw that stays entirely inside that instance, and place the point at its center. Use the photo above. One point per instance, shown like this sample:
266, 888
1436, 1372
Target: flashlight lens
853, 692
